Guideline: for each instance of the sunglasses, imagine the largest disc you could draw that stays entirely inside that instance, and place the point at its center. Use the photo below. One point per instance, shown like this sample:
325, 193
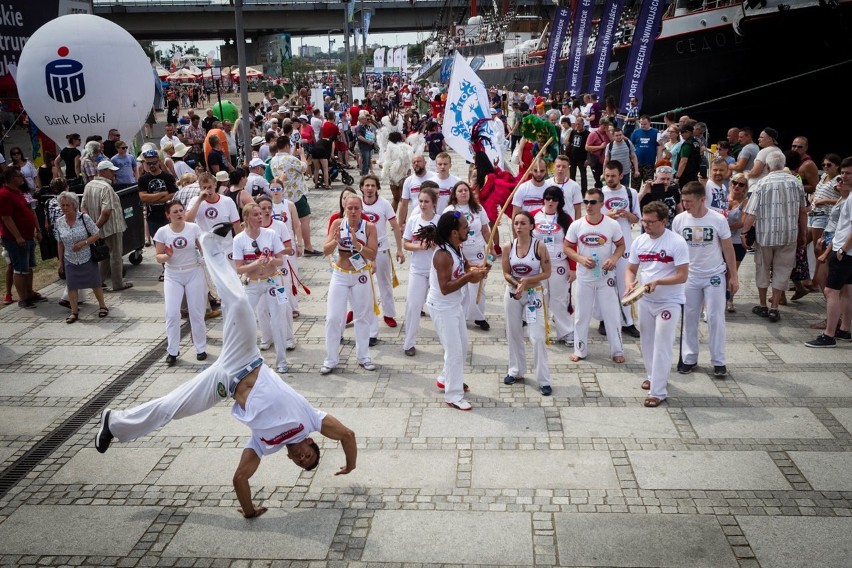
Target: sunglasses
152, 164
591, 201
828, 165
738, 183
274, 188
550, 198
256, 247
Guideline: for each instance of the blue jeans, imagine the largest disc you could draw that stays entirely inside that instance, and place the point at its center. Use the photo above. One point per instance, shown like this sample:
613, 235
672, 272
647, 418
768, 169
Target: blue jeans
365, 160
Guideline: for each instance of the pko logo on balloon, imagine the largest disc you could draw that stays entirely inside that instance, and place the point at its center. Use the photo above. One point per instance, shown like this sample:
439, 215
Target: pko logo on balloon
64, 79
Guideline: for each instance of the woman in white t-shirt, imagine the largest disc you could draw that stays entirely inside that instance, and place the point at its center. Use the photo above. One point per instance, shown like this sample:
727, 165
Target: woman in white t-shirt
464, 201
178, 248
259, 256
420, 265
284, 210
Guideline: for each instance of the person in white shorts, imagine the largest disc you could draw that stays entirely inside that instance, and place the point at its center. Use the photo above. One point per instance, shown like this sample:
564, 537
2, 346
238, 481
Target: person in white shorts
595, 242
277, 416
711, 256
664, 260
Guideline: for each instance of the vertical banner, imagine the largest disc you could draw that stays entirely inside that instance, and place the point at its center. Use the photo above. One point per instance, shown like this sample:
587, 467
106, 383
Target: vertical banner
389, 56
554, 48
378, 59
397, 57
603, 47
639, 58
403, 58
580, 33
366, 16
446, 69
350, 11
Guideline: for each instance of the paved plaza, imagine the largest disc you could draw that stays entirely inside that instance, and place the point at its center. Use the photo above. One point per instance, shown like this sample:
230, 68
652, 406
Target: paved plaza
753, 470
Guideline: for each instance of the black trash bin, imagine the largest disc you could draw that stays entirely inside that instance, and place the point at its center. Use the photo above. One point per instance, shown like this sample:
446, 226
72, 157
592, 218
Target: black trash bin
133, 241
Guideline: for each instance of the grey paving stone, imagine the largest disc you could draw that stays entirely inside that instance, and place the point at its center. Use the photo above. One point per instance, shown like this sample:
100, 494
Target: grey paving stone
452, 537
665, 469
22, 420
64, 331
105, 355
75, 385
483, 422
792, 542
558, 469
736, 353
373, 422
419, 385
756, 422
794, 385
11, 353
213, 423
119, 466
75, 529
6, 453
825, 471
311, 385
844, 416
221, 532
606, 422
628, 384
143, 330
216, 466
18, 384
623, 539
424, 469
12, 329
809, 356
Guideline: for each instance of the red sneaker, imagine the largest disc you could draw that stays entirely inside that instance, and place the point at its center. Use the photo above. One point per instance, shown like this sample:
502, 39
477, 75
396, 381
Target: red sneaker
390, 321
440, 385
349, 317
8, 299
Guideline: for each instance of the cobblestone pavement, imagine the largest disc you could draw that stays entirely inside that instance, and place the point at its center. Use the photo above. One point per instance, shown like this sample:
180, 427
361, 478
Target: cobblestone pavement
752, 470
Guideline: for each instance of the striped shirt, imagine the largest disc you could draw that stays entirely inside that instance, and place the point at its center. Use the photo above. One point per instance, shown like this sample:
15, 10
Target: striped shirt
775, 202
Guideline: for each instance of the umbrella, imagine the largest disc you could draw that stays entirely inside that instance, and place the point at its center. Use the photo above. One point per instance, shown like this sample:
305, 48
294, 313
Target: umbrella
161, 73
182, 75
251, 73
194, 70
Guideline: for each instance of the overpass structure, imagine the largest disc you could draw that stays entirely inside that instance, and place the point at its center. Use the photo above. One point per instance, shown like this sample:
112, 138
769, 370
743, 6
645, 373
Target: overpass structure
214, 19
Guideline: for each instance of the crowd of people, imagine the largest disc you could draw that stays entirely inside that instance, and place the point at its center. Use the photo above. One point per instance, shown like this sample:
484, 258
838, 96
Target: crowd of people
571, 256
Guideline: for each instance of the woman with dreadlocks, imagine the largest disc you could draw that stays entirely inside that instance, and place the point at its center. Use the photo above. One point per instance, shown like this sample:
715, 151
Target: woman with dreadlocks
448, 276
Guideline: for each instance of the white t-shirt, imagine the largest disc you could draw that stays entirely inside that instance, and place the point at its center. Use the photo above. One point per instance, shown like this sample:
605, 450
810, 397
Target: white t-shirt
267, 243
716, 197
257, 185
844, 226
421, 260
411, 187
281, 230
281, 212
223, 210
572, 192
379, 213
474, 246
276, 414
658, 258
182, 168
704, 238
184, 244
599, 239
174, 140
618, 199
761, 157
445, 190
550, 232
528, 197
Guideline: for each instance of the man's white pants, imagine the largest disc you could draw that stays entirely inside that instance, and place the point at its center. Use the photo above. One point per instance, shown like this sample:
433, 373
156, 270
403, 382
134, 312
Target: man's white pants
658, 324
192, 282
559, 297
618, 274
452, 332
475, 310
515, 314
384, 283
709, 292
264, 297
239, 348
600, 296
355, 288
418, 288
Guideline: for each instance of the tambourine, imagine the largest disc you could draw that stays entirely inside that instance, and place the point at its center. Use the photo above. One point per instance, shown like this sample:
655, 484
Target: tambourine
633, 296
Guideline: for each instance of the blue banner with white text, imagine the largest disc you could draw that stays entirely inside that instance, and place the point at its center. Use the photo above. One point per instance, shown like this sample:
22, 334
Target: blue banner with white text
639, 58
580, 32
554, 48
610, 17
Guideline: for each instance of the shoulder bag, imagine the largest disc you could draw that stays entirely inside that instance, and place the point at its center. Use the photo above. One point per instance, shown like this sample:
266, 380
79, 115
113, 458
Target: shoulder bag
98, 249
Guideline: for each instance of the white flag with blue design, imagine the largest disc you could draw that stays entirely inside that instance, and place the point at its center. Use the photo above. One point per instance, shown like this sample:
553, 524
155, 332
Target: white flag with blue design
467, 102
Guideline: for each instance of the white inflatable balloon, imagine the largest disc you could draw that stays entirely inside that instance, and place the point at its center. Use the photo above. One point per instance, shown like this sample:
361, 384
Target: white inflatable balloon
84, 74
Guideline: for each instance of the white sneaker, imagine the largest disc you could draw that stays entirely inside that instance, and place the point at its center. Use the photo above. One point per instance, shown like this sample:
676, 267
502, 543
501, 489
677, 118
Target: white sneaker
291, 344
265, 345
283, 368
325, 370
568, 339
368, 365
460, 405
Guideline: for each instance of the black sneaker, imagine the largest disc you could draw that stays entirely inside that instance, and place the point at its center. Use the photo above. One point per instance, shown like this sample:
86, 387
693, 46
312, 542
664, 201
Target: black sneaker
720, 371
483, 324
546, 390
104, 437
602, 328
373, 341
843, 335
822, 342
27, 304
686, 368
171, 360
509, 380
201, 356
630, 330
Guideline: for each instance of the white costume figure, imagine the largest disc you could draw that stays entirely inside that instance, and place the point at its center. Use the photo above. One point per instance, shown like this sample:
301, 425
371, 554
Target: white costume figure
390, 123
395, 162
417, 142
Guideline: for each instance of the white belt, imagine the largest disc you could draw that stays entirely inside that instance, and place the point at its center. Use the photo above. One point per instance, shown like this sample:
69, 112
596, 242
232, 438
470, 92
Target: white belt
183, 267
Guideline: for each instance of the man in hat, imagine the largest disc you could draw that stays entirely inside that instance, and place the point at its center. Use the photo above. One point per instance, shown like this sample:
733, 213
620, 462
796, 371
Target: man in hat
689, 162
768, 142
256, 144
101, 203
256, 183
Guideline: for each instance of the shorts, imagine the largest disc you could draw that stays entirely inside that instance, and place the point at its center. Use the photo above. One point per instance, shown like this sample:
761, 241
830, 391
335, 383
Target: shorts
22, 258
780, 261
828, 237
321, 150
739, 252
817, 221
839, 271
302, 207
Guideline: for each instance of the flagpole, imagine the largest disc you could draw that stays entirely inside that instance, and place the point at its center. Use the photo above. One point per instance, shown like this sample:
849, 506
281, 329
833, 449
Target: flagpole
241, 62
346, 49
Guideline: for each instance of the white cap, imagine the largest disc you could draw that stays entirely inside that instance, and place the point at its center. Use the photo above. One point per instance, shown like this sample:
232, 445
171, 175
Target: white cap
106, 165
222, 176
256, 163
257, 141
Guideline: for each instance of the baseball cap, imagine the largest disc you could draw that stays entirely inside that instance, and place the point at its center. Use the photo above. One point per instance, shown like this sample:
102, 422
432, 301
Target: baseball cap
222, 176
303, 117
257, 141
106, 165
256, 162
152, 153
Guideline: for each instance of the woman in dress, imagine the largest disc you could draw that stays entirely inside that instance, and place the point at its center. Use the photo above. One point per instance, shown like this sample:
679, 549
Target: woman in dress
70, 156
75, 233
465, 201
421, 258
525, 268
178, 248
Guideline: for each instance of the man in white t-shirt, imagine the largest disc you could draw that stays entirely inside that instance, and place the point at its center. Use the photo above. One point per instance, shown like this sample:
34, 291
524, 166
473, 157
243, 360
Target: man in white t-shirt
278, 416
411, 185
570, 188
170, 136
664, 259
715, 190
529, 196
595, 242
444, 179
622, 204
256, 183
379, 212
711, 255
210, 208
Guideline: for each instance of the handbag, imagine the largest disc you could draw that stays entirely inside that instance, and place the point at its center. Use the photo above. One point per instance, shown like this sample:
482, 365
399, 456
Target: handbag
98, 249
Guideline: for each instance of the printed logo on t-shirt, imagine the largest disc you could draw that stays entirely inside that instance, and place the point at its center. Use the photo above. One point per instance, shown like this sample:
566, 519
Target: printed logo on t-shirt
593, 239
560, 270
521, 269
616, 203
372, 217
179, 243
655, 257
283, 436
156, 185
211, 213
698, 234
362, 279
547, 228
